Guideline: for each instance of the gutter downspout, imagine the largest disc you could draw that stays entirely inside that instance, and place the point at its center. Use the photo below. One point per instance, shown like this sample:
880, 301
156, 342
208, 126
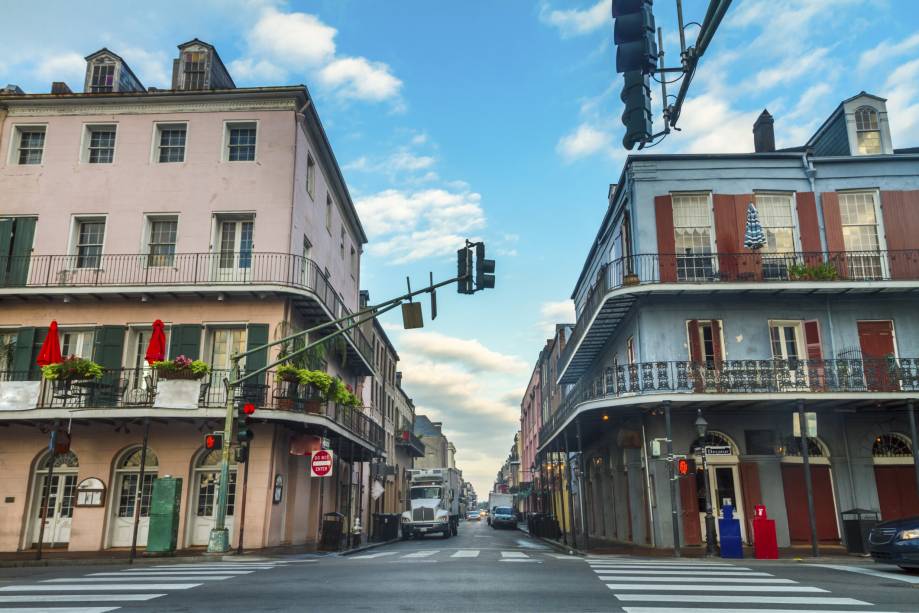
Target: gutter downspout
298, 117
644, 451
811, 173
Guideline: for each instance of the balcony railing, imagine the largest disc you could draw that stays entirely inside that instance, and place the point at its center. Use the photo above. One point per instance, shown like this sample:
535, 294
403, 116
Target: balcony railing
739, 377
137, 388
241, 268
407, 439
715, 268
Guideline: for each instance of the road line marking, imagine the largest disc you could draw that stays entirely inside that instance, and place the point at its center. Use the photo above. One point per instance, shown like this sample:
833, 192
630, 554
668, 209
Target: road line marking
513, 554
174, 573
896, 575
204, 567
422, 554
716, 588
368, 556
466, 553
648, 579
139, 578
713, 610
60, 587
562, 556
59, 609
69, 597
520, 560
715, 599
662, 563
712, 573
654, 569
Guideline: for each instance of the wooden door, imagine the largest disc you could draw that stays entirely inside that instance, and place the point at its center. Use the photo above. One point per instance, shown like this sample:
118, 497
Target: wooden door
796, 503
877, 345
689, 510
897, 491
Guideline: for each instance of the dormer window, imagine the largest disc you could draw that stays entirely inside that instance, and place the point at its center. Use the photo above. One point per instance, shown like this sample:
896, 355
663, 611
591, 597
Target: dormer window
103, 79
867, 130
194, 64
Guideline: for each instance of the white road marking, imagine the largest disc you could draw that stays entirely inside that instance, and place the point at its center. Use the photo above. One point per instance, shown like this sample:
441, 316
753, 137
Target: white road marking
204, 567
646, 579
421, 554
525, 544
711, 610
136, 578
513, 554
654, 569
466, 553
895, 574
809, 601
60, 587
59, 609
715, 588
369, 556
69, 597
660, 563
562, 556
708, 573
174, 573
520, 560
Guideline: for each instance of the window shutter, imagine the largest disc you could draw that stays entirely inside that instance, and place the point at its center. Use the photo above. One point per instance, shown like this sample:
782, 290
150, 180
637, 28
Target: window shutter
750, 490
22, 352
185, 340
809, 228
108, 346
37, 340
814, 354
666, 242
727, 241
695, 344
23, 233
832, 223
716, 340
6, 241
256, 336
901, 227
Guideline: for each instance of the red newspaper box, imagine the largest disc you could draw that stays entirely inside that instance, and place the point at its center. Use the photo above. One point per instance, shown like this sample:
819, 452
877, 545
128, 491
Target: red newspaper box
764, 543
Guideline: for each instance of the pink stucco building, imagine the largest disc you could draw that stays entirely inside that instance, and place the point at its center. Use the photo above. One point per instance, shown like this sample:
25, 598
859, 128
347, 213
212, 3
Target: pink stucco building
219, 210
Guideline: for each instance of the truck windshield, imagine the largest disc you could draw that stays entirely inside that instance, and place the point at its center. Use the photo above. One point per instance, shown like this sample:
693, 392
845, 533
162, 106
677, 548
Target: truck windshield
503, 511
425, 492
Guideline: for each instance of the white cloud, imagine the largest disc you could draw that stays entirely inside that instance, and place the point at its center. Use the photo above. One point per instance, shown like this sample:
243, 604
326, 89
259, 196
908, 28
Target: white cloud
886, 51
294, 39
256, 71
149, 66
903, 103
69, 67
793, 67
551, 313
575, 22
586, 140
467, 352
716, 126
361, 79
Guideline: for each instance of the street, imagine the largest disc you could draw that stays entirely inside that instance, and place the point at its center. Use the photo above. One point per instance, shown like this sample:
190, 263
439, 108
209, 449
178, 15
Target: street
481, 570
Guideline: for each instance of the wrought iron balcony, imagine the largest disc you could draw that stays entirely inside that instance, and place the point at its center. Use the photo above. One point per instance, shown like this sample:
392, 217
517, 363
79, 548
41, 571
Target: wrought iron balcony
413, 444
738, 377
730, 271
138, 388
175, 272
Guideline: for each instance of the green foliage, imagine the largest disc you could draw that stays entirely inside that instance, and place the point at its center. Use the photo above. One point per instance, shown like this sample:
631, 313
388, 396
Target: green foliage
318, 379
312, 358
72, 368
820, 272
181, 368
343, 395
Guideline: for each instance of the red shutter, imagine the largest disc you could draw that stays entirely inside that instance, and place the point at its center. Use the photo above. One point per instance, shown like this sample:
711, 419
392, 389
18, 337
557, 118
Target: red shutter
901, 226
750, 490
695, 345
809, 228
749, 263
814, 354
727, 240
832, 223
716, 341
666, 244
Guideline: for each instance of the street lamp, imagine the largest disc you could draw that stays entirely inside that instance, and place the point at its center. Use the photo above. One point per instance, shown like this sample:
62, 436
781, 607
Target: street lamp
701, 429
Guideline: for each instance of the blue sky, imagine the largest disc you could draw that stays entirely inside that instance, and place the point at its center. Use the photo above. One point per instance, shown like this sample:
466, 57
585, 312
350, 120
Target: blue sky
493, 120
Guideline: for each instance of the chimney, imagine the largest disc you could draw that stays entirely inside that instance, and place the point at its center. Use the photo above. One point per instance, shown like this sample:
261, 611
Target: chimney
763, 133
59, 87
364, 298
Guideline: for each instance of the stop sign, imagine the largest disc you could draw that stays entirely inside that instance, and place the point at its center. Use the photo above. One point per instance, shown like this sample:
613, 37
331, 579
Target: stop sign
321, 463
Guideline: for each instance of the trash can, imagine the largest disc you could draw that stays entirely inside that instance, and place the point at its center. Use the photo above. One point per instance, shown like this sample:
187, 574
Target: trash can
331, 531
729, 529
856, 524
765, 546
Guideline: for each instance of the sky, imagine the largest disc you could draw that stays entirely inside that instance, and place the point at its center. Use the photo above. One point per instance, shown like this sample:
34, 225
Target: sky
492, 120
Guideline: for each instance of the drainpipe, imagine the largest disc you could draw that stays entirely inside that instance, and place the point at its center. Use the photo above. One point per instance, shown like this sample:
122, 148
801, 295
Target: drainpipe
644, 452
674, 510
811, 173
582, 499
569, 479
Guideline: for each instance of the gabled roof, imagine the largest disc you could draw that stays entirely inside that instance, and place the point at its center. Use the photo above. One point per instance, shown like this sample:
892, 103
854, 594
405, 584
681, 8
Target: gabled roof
124, 64
837, 112
213, 49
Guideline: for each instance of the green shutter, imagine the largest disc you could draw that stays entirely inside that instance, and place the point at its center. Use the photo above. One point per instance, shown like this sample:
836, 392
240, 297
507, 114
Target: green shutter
108, 346
23, 233
37, 341
185, 340
22, 353
256, 336
6, 241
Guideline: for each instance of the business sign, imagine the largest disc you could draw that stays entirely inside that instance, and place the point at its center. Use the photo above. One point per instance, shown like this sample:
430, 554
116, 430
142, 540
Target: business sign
321, 463
717, 450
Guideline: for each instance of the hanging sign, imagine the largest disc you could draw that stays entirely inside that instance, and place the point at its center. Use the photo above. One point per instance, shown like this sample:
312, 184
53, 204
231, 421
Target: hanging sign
321, 463
717, 450
278, 489
90, 493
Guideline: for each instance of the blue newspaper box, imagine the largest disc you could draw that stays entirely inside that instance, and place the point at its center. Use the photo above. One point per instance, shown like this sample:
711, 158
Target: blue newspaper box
731, 544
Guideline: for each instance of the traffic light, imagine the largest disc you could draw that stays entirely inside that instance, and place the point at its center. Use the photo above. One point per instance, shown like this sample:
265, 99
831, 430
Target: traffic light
464, 270
242, 453
244, 410
484, 269
682, 467
213, 441
633, 34
636, 94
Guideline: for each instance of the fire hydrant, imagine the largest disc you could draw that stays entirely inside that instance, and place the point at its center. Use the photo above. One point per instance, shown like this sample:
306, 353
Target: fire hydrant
356, 533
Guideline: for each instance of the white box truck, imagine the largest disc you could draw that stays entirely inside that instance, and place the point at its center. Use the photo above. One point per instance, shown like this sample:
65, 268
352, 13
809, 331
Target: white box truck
497, 499
434, 503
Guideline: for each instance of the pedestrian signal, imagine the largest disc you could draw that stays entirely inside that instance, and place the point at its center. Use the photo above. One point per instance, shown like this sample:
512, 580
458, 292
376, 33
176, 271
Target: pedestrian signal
682, 467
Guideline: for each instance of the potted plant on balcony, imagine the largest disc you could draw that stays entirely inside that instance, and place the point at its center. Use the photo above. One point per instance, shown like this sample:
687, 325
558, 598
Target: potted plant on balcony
319, 385
820, 272
345, 398
178, 385
73, 369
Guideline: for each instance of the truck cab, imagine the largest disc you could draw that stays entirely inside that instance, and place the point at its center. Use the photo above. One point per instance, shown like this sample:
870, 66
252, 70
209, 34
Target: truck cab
433, 504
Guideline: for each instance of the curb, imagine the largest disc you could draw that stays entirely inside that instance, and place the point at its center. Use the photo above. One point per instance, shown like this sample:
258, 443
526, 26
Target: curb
560, 547
366, 547
140, 561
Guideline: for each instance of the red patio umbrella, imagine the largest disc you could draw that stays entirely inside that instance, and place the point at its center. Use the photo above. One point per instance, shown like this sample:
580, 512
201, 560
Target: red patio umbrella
156, 350
50, 349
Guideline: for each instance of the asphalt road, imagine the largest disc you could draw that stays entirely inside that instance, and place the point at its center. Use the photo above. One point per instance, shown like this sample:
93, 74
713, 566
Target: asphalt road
482, 570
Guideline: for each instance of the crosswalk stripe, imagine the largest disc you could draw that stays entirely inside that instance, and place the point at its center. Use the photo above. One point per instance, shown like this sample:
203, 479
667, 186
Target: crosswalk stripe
809, 601
69, 597
136, 578
715, 588
222, 565
59, 609
656, 572
874, 572
466, 553
754, 580
98, 587
374, 555
715, 610
513, 554
521, 560
654, 569
561, 556
175, 573
660, 563
421, 554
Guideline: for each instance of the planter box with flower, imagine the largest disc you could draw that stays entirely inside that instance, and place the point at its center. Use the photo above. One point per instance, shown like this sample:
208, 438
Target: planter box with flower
178, 383
72, 377
301, 388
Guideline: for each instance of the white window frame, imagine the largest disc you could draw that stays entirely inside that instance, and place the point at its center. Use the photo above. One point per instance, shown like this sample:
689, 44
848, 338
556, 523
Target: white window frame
149, 219
878, 221
16, 131
210, 330
858, 131
240, 124
85, 336
73, 247
721, 343
711, 224
88, 129
158, 127
310, 176
793, 203
800, 341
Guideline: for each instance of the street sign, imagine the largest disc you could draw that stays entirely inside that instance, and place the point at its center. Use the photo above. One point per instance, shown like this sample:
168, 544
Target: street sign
717, 450
811, 424
321, 463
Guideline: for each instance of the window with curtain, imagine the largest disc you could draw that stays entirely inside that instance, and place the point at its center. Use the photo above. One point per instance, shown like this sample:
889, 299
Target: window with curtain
860, 234
692, 230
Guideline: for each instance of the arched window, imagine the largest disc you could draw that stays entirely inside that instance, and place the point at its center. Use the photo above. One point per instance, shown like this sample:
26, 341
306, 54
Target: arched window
132, 459
815, 447
64, 460
867, 131
128, 474
892, 445
212, 458
714, 439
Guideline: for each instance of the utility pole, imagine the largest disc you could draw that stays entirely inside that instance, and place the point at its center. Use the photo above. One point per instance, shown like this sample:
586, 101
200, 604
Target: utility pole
674, 510
808, 483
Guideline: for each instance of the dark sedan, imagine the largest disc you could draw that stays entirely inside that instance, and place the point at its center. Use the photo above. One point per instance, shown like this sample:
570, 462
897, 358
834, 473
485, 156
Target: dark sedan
896, 542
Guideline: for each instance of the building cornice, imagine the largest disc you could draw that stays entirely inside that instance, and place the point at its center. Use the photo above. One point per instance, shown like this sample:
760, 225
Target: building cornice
144, 106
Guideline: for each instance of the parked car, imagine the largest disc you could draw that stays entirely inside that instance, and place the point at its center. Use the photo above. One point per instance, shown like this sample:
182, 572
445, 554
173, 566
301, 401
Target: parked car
472, 516
896, 542
503, 516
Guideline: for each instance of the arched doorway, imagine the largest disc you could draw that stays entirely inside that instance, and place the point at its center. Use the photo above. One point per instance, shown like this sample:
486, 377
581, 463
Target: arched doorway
127, 474
205, 480
795, 491
895, 476
60, 498
723, 482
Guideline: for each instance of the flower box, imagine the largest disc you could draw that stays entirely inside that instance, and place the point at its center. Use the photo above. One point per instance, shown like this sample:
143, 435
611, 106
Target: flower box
181, 369
177, 394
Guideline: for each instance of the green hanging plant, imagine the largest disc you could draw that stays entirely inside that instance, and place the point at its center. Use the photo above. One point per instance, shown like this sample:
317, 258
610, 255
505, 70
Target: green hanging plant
72, 368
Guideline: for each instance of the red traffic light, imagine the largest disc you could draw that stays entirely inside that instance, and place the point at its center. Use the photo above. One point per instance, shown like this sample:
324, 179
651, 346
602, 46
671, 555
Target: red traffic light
682, 467
213, 441
249, 408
